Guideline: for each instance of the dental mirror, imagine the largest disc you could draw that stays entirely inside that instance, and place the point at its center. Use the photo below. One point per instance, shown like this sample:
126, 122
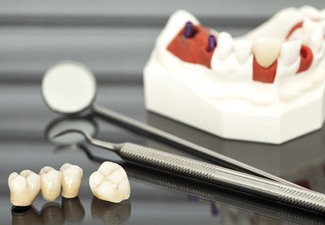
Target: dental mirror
69, 88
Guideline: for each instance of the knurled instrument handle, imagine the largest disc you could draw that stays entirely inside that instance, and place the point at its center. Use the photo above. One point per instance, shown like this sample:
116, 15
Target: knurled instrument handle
310, 200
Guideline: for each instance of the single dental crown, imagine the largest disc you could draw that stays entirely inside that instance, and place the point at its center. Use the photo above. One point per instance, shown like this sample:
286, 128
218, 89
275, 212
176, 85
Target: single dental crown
267, 86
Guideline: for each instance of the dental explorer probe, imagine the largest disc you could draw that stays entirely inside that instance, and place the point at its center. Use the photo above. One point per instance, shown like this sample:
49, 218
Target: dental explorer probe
205, 172
69, 88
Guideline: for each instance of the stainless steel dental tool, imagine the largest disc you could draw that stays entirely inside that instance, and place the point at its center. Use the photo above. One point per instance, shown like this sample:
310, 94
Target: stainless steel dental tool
69, 88
205, 172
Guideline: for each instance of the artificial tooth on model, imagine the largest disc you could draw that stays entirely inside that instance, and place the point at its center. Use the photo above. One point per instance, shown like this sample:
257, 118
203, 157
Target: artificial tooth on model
71, 180
24, 187
225, 45
50, 183
243, 50
317, 39
266, 51
110, 183
308, 26
290, 52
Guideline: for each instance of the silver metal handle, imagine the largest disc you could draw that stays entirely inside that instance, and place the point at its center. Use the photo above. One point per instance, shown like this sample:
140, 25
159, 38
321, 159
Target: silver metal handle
206, 172
283, 214
208, 154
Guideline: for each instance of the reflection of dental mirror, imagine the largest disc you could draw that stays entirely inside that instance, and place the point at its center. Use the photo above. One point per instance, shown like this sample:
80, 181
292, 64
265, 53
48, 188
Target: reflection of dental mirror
70, 88
61, 124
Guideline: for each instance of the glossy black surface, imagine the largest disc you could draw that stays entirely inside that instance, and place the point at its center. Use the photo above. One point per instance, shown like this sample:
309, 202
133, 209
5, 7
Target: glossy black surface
157, 198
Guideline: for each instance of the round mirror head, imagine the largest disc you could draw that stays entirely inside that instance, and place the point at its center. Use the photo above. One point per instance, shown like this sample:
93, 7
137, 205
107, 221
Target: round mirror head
68, 88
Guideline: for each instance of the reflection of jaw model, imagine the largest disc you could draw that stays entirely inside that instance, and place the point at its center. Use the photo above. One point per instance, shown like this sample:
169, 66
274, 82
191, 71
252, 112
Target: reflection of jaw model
252, 88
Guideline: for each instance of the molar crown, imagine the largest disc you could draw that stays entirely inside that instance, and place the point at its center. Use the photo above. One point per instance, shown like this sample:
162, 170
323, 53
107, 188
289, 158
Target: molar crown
110, 183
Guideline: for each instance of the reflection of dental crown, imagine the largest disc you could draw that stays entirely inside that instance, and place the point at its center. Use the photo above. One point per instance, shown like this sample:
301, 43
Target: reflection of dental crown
267, 86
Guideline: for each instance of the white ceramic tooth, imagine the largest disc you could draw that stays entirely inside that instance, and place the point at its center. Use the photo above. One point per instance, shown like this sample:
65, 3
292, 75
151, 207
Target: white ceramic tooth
24, 187
243, 50
266, 51
50, 183
308, 25
71, 180
290, 51
225, 45
110, 183
317, 39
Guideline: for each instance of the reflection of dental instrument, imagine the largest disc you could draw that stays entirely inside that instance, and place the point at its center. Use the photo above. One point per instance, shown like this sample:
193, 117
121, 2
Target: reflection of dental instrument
209, 173
70, 88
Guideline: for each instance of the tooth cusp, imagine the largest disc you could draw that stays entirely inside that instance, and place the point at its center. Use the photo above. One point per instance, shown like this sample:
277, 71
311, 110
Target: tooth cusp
23, 187
71, 180
110, 183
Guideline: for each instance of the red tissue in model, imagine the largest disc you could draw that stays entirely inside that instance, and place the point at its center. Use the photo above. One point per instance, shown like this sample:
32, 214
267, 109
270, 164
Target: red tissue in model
195, 44
191, 45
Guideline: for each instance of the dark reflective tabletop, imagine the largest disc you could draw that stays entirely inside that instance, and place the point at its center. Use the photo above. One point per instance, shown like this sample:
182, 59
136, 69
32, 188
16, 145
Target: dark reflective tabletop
26, 126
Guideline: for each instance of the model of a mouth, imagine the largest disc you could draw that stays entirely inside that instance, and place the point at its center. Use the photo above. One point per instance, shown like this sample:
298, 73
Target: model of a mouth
273, 71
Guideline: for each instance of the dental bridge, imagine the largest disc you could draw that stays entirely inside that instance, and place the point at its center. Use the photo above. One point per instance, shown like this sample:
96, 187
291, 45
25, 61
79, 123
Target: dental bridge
76, 94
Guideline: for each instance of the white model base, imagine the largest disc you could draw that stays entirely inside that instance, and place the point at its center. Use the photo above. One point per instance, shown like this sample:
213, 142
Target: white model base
191, 94
234, 119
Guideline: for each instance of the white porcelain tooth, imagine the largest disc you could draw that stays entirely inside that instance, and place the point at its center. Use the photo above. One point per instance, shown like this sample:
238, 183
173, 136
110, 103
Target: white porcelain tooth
225, 45
317, 39
71, 180
308, 26
50, 183
243, 50
110, 183
24, 187
290, 51
266, 51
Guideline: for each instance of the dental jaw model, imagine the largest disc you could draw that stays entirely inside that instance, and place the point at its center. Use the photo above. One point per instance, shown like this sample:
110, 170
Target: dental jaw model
266, 86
